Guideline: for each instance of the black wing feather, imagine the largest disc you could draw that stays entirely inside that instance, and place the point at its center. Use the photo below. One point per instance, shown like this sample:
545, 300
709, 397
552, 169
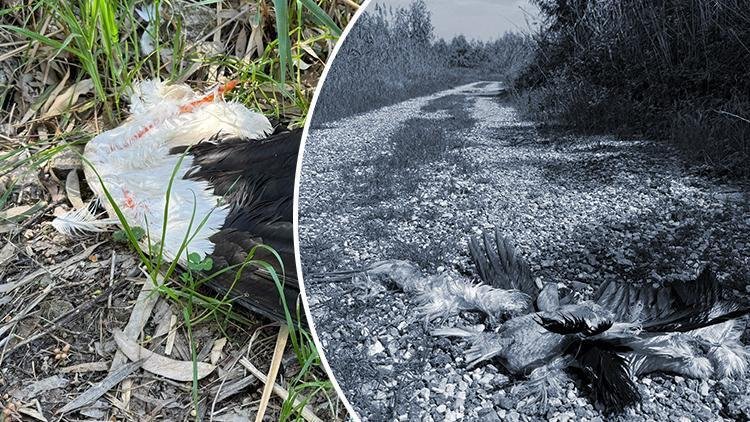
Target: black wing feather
500, 264
256, 179
247, 172
605, 366
677, 306
255, 289
575, 319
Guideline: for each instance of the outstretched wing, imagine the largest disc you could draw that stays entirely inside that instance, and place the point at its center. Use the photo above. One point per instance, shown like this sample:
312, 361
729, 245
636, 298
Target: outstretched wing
256, 180
500, 264
677, 306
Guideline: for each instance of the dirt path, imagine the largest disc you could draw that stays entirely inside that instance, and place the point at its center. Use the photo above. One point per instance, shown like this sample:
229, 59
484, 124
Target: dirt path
582, 210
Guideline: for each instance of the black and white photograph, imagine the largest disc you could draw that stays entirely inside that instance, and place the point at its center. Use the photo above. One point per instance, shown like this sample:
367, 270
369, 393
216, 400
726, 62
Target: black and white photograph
533, 210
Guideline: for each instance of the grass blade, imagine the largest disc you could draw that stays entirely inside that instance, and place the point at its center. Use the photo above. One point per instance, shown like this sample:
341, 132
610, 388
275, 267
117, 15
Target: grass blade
321, 17
282, 31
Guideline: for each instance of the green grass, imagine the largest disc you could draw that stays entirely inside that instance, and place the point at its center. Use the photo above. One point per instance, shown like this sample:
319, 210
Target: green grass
103, 37
92, 36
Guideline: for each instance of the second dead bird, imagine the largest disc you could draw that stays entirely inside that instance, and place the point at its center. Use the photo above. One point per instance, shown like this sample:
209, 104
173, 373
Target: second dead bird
684, 327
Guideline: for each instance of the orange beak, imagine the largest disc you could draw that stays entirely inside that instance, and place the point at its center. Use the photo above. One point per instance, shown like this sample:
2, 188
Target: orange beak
228, 86
223, 89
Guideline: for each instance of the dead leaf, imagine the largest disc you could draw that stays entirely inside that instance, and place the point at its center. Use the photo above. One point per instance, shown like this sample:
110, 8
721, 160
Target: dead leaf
86, 367
21, 212
73, 190
144, 305
33, 413
301, 64
67, 159
255, 42
162, 317
7, 253
68, 98
16, 211
216, 350
38, 387
176, 370
310, 51
172, 335
241, 44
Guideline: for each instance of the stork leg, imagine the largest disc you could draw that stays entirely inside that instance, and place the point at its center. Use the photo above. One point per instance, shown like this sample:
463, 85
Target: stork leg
484, 345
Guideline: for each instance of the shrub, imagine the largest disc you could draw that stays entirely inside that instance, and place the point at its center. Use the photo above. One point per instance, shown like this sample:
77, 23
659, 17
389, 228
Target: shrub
670, 69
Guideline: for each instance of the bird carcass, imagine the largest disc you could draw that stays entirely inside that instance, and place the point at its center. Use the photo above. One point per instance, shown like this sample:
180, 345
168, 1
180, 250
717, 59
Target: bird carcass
203, 176
684, 327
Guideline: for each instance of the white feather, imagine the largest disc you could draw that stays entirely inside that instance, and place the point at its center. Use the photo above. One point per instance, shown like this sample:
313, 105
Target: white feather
442, 296
727, 354
135, 166
230, 119
79, 221
156, 98
548, 381
484, 345
147, 12
675, 352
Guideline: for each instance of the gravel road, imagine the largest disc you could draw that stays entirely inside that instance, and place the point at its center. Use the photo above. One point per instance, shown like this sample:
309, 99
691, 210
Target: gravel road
582, 209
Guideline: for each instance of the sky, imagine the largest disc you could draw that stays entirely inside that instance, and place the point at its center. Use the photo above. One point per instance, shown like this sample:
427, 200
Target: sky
476, 19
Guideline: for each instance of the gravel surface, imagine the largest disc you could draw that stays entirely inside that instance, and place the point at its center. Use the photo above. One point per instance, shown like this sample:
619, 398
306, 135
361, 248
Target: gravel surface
582, 209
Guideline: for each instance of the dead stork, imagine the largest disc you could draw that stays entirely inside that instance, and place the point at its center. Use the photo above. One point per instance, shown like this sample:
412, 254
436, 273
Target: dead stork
230, 178
683, 327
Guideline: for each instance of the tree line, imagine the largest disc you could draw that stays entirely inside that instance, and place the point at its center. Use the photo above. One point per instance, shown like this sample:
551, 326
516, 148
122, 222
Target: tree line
392, 54
668, 69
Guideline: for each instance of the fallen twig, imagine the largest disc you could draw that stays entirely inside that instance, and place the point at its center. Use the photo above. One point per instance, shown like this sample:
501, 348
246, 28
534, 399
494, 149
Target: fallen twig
306, 413
98, 389
278, 353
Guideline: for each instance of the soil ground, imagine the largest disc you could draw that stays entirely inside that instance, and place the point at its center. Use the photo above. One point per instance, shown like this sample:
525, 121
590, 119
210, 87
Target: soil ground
414, 180
63, 298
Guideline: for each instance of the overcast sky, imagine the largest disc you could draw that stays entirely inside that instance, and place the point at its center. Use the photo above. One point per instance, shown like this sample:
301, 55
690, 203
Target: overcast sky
479, 19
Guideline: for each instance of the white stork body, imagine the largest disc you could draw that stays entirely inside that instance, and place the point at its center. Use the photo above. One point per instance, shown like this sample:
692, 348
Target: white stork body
224, 197
134, 163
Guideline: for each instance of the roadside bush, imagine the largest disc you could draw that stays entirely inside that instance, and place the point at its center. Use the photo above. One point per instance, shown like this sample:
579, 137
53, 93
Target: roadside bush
668, 68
